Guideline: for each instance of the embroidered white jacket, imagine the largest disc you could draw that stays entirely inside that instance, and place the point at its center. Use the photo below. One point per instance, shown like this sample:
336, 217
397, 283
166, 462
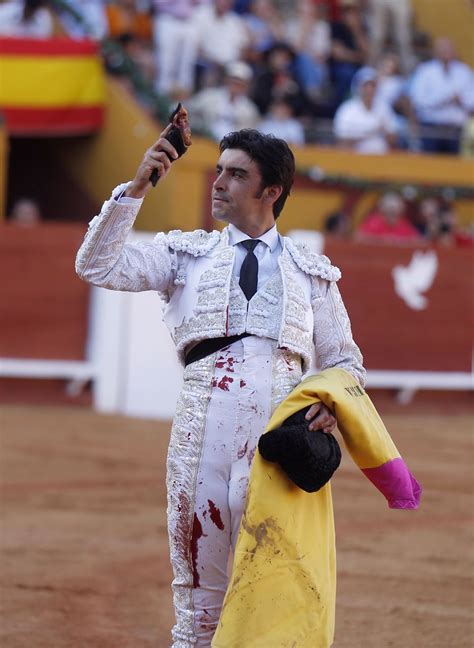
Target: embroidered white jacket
300, 306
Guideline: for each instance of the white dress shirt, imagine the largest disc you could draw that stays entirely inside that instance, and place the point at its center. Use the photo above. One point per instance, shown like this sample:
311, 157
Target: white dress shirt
367, 127
443, 95
267, 252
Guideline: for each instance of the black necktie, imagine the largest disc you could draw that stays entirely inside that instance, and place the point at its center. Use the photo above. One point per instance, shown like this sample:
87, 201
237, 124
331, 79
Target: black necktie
249, 270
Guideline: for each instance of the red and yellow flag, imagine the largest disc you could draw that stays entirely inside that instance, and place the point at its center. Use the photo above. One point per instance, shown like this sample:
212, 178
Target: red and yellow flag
51, 87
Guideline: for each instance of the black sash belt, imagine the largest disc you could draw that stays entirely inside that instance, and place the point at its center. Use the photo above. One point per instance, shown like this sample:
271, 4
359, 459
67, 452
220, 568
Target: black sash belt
206, 347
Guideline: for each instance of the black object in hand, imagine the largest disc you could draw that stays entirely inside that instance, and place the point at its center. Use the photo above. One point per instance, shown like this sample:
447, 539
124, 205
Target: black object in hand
179, 136
308, 458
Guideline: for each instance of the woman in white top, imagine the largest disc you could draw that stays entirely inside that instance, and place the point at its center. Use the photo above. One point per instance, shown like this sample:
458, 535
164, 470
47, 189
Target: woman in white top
362, 123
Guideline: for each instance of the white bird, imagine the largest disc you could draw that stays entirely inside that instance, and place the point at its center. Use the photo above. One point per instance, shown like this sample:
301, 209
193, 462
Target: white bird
416, 278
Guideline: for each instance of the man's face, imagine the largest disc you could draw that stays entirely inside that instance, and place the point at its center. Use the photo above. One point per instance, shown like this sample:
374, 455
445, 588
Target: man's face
237, 189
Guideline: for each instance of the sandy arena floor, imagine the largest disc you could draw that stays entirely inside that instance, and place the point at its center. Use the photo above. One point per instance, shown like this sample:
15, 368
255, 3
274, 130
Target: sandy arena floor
84, 544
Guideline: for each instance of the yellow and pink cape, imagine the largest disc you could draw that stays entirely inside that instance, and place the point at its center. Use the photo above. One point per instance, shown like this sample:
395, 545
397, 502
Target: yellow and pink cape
282, 589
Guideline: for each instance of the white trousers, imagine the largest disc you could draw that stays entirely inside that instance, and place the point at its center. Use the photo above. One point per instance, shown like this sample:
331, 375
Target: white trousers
225, 405
399, 12
176, 44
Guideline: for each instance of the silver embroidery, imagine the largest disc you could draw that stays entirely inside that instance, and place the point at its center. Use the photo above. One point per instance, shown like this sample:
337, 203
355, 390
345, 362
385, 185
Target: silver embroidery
184, 454
335, 346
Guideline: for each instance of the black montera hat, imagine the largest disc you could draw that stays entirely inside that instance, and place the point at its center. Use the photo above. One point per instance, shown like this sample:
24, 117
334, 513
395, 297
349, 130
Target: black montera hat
308, 458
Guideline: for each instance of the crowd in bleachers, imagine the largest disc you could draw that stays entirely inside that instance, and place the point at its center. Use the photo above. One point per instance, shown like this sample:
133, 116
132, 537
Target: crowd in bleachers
330, 71
355, 73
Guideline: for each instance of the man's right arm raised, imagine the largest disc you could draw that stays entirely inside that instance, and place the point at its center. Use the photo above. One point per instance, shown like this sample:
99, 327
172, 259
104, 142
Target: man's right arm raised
105, 259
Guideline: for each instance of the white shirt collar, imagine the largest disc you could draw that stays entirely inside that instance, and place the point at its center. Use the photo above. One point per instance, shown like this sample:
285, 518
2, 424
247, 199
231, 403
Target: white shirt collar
270, 238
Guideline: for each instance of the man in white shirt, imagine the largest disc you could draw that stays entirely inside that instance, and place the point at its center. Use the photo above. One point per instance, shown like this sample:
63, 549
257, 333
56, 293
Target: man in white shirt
362, 123
222, 34
26, 19
228, 107
249, 313
442, 91
176, 44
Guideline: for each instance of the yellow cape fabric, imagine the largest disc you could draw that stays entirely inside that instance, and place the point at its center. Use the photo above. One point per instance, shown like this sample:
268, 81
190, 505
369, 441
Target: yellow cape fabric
282, 588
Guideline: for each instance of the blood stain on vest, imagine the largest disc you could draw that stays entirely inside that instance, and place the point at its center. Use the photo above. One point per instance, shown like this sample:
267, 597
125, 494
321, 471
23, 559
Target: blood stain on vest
224, 383
196, 535
241, 452
242, 383
215, 515
251, 455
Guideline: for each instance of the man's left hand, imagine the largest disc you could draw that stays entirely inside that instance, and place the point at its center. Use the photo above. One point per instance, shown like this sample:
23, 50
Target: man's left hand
320, 418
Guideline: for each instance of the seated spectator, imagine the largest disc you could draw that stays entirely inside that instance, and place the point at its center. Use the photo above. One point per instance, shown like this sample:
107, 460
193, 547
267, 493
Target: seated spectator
281, 122
277, 79
426, 217
398, 13
388, 222
93, 21
26, 19
442, 91
349, 48
467, 138
25, 212
227, 108
361, 123
310, 37
338, 225
176, 45
439, 224
222, 34
132, 28
265, 27
392, 90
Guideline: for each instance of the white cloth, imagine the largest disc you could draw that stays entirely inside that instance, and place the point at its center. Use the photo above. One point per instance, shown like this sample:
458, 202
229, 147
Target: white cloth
40, 25
288, 129
176, 44
240, 405
436, 89
214, 110
267, 252
397, 13
318, 39
366, 128
93, 14
221, 38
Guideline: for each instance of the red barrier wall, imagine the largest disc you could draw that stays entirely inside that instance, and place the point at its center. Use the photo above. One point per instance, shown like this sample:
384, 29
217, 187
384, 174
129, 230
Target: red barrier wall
391, 334
43, 310
44, 306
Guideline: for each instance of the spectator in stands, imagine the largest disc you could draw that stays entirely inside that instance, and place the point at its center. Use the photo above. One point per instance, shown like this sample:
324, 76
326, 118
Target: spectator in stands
361, 123
265, 27
280, 122
442, 91
26, 19
131, 26
467, 137
338, 225
349, 48
277, 79
388, 222
310, 37
226, 108
25, 212
397, 13
222, 34
87, 18
439, 223
176, 45
392, 90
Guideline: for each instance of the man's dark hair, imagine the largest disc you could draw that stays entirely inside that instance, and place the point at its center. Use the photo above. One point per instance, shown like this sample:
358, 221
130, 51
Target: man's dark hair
272, 155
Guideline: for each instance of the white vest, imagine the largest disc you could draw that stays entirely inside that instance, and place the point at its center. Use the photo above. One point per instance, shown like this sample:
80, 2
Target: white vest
207, 302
